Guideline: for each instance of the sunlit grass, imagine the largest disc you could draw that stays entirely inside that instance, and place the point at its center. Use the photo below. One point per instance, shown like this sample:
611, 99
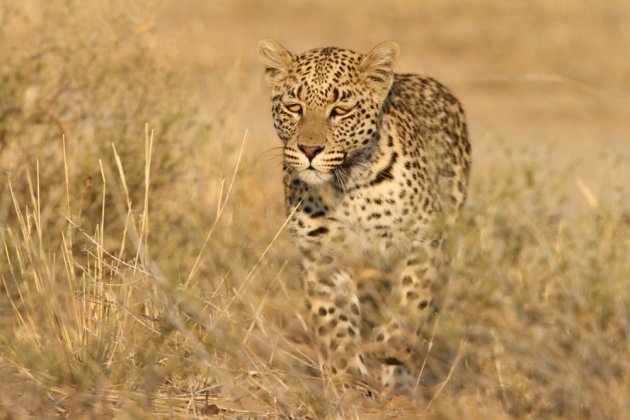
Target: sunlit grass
145, 269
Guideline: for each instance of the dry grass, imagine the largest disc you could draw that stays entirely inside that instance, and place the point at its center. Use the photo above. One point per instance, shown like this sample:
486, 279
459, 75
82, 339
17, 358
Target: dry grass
144, 269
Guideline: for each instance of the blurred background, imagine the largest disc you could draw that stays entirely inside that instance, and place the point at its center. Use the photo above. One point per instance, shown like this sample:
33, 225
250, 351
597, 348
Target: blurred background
535, 73
144, 270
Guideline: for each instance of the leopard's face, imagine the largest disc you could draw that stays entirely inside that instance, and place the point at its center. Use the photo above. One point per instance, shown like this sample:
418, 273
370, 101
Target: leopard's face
324, 114
325, 106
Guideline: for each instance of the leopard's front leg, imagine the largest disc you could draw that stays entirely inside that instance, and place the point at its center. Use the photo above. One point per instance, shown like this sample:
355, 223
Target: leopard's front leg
335, 316
404, 337
331, 299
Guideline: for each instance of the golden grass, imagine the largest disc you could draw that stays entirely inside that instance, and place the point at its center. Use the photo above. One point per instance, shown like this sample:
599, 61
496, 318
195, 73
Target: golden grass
145, 273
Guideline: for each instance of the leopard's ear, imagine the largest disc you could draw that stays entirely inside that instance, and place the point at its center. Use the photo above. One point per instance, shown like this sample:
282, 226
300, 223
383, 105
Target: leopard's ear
377, 67
276, 60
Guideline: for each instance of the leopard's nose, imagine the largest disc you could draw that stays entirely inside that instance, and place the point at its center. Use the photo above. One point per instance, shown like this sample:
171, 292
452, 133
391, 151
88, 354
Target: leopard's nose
310, 151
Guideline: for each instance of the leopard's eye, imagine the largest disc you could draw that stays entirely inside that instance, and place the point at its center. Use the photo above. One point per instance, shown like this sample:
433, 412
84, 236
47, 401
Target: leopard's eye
338, 111
295, 108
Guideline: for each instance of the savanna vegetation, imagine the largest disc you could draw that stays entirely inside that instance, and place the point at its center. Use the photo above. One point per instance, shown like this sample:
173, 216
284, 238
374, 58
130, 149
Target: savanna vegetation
144, 268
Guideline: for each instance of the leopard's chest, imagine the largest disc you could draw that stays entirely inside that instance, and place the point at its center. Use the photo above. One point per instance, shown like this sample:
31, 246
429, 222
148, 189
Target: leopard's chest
377, 212
384, 212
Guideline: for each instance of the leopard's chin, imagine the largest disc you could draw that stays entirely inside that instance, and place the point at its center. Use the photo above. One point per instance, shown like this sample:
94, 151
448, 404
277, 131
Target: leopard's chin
315, 177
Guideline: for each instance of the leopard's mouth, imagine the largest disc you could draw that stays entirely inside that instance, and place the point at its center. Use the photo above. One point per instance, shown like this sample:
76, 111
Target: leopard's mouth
314, 176
319, 170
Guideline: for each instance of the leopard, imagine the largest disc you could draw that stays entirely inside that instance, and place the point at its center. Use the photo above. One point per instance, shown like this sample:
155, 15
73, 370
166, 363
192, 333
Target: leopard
375, 169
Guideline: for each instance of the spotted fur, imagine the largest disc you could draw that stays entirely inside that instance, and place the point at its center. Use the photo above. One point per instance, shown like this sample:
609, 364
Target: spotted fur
374, 163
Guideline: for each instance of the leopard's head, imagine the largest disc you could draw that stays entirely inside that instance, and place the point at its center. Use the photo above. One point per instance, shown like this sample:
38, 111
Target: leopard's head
326, 104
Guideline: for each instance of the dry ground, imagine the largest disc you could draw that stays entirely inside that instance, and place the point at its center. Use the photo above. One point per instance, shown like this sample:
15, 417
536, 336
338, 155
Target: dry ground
144, 269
